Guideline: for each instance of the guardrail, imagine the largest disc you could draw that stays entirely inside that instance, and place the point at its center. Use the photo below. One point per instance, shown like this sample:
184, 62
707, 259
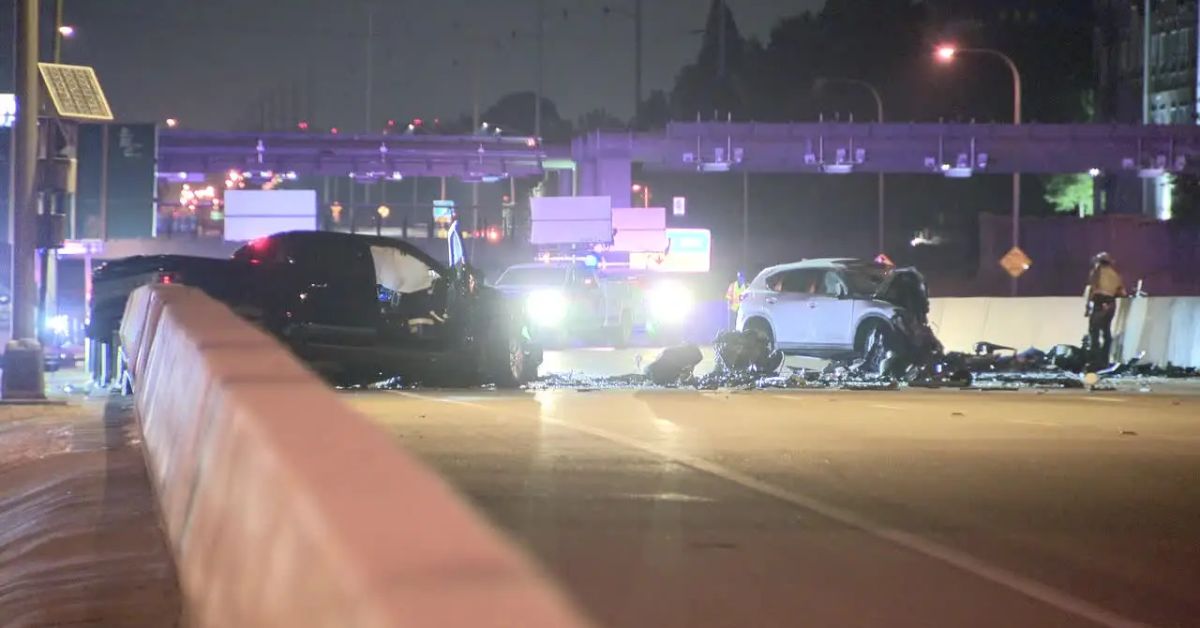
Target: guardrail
284, 507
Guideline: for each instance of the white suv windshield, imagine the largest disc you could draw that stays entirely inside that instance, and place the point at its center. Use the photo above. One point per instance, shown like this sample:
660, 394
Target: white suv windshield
863, 282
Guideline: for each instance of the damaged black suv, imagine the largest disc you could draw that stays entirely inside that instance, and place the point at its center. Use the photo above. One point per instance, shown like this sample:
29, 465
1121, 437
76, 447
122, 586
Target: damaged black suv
358, 309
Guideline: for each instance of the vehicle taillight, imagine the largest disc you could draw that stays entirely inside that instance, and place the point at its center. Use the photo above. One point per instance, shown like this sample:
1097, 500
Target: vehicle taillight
166, 278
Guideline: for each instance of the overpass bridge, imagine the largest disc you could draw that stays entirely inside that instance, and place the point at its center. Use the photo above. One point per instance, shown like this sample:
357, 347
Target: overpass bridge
600, 163
365, 156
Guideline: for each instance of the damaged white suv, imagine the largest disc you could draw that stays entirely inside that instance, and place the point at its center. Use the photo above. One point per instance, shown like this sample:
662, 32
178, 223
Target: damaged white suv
841, 309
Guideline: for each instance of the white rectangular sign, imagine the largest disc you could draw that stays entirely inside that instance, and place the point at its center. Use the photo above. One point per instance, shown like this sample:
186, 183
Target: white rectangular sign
8, 110
571, 219
679, 206
639, 229
251, 214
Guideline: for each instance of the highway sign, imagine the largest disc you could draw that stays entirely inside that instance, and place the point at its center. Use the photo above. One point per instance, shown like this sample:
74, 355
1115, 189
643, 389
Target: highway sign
679, 206
1015, 262
443, 210
75, 91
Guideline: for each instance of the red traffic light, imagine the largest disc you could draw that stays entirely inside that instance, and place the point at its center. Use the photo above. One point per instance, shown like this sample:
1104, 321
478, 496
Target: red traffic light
303, 125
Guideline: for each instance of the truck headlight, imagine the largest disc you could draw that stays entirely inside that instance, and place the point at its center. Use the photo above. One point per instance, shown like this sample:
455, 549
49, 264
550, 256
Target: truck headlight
546, 308
59, 324
670, 302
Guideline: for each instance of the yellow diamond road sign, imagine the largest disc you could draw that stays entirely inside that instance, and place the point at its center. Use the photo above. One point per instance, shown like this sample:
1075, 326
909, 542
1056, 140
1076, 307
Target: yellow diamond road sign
1016, 262
75, 91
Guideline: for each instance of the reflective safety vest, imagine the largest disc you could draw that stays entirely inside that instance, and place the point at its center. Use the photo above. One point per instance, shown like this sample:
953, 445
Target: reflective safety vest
734, 295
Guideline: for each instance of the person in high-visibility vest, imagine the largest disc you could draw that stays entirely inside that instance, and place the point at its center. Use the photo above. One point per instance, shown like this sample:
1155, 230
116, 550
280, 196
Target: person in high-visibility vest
1105, 286
733, 295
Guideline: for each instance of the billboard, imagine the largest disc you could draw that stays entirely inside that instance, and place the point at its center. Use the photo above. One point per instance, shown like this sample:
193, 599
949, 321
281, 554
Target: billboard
251, 214
118, 159
571, 220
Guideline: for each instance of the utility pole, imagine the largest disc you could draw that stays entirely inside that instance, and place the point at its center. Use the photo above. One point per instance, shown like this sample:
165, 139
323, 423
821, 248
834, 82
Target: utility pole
721, 38
637, 62
1146, 63
23, 376
476, 43
370, 69
1147, 184
745, 220
541, 62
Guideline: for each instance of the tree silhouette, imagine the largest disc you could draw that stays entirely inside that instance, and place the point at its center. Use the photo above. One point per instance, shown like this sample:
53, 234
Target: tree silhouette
514, 113
599, 120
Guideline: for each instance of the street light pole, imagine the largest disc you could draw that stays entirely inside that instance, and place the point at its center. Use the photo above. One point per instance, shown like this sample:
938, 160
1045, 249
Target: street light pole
58, 27
879, 117
1016, 178
947, 53
541, 59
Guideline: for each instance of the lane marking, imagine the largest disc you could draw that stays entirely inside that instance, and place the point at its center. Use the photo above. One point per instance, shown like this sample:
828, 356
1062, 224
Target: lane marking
668, 497
886, 406
1060, 600
1032, 422
1105, 399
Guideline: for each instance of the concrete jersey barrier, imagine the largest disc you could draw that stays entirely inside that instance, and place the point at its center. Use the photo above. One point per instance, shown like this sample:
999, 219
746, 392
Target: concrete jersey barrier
1165, 329
285, 508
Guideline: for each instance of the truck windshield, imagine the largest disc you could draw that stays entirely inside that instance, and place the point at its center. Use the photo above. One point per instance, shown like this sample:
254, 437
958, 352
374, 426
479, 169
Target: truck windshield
533, 276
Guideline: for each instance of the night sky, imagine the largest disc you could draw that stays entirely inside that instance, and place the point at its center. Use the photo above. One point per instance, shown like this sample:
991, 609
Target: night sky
211, 63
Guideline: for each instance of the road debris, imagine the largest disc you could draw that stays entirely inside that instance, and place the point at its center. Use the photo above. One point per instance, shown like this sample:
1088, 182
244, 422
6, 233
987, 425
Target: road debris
674, 365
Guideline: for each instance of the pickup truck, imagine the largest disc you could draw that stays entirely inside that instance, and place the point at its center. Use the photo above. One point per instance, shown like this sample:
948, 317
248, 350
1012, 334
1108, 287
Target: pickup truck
565, 302
358, 309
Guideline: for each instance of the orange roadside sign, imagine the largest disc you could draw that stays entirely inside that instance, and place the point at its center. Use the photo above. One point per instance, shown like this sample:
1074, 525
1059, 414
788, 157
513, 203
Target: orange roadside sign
1015, 262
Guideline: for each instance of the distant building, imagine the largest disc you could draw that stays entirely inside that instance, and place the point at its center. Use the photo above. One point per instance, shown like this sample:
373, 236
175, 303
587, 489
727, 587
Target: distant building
1174, 95
1174, 82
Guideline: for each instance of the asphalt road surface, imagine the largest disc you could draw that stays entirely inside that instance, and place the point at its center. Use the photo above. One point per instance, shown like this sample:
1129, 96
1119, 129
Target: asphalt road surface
834, 508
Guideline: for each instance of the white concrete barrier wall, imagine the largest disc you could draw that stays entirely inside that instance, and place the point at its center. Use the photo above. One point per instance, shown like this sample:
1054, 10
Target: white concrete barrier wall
1166, 329
284, 507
